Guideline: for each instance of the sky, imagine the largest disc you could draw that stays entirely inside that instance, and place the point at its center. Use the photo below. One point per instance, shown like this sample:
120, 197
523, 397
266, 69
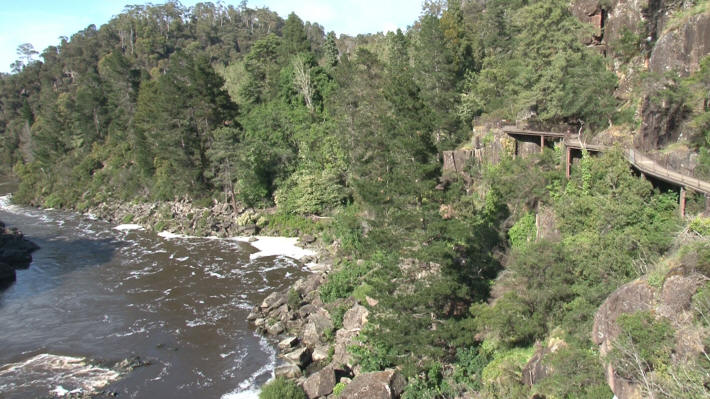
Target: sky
42, 22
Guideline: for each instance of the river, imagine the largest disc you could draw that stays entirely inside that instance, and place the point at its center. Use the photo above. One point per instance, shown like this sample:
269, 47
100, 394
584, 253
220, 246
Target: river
104, 294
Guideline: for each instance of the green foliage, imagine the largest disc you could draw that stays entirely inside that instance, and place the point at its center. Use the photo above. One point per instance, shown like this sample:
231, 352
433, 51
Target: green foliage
293, 299
645, 344
307, 193
501, 376
469, 366
523, 231
337, 315
342, 281
362, 292
578, 374
629, 45
545, 71
338, 389
281, 388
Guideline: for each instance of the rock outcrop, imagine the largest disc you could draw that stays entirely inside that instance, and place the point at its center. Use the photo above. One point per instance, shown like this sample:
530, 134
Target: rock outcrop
388, 384
15, 253
682, 48
314, 350
184, 217
537, 369
672, 301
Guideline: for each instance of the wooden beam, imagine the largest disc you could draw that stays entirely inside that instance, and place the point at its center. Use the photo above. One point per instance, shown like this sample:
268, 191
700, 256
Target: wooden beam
568, 162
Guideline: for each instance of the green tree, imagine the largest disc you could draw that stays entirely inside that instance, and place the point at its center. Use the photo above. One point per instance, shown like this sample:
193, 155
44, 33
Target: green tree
435, 74
330, 48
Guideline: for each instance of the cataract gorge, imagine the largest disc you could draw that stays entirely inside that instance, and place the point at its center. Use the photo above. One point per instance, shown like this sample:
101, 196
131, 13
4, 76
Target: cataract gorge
503, 199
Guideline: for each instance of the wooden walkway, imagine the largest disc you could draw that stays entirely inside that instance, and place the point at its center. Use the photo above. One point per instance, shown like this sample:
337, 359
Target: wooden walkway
637, 159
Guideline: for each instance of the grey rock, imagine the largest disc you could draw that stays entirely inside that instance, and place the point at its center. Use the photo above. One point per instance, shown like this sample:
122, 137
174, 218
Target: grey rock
320, 384
273, 301
288, 343
320, 353
355, 318
300, 356
388, 384
308, 239
318, 323
288, 370
307, 310
276, 328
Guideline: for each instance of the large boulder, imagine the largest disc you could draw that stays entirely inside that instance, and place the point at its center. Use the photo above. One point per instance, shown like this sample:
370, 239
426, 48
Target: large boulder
343, 339
320, 384
388, 384
288, 370
15, 250
273, 301
355, 318
672, 302
300, 357
318, 323
630, 298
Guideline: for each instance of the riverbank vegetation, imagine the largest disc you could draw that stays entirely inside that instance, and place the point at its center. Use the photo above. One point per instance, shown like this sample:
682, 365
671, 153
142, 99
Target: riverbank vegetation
241, 106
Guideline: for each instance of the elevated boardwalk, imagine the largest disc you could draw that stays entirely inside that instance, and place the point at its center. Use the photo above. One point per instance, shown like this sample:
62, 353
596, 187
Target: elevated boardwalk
640, 161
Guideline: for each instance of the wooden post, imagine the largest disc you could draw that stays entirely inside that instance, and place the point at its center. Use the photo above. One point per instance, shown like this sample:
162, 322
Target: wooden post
542, 143
707, 204
682, 202
568, 161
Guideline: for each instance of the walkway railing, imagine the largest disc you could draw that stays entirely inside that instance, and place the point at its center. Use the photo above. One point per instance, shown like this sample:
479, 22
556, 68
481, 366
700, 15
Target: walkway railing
639, 160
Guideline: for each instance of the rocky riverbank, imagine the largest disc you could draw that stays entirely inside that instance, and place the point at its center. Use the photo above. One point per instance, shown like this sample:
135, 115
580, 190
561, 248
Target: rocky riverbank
183, 216
314, 341
313, 337
15, 253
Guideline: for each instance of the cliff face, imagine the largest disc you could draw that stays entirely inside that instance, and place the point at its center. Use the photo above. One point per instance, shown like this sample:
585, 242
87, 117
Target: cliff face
669, 36
672, 302
683, 46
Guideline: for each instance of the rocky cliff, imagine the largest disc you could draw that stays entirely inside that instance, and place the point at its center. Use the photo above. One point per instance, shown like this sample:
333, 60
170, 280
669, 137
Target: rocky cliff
670, 298
657, 36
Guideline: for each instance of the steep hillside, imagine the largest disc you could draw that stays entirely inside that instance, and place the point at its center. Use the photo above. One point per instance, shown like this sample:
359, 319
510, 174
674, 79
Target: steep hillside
484, 283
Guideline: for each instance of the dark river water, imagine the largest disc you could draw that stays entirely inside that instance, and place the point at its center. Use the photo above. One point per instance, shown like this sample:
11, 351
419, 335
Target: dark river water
103, 294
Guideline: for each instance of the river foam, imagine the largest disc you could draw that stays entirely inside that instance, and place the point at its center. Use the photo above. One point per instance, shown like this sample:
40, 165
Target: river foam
65, 373
275, 246
128, 227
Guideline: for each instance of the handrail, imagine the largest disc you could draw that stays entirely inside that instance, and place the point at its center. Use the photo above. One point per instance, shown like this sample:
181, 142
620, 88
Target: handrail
634, 157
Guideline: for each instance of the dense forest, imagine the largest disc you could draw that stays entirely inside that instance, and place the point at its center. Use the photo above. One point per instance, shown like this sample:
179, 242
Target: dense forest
240, 106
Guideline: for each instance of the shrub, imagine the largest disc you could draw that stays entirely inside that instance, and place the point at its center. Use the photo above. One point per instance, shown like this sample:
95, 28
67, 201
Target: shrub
338, 389
645, 344
362, 292
310, 192
341, 283
281, 388
337, 316
701, 226
53, 201
523, 231
294, 299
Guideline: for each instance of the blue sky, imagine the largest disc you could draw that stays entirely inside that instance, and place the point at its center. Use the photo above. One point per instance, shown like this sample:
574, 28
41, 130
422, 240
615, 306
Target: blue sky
42, 22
